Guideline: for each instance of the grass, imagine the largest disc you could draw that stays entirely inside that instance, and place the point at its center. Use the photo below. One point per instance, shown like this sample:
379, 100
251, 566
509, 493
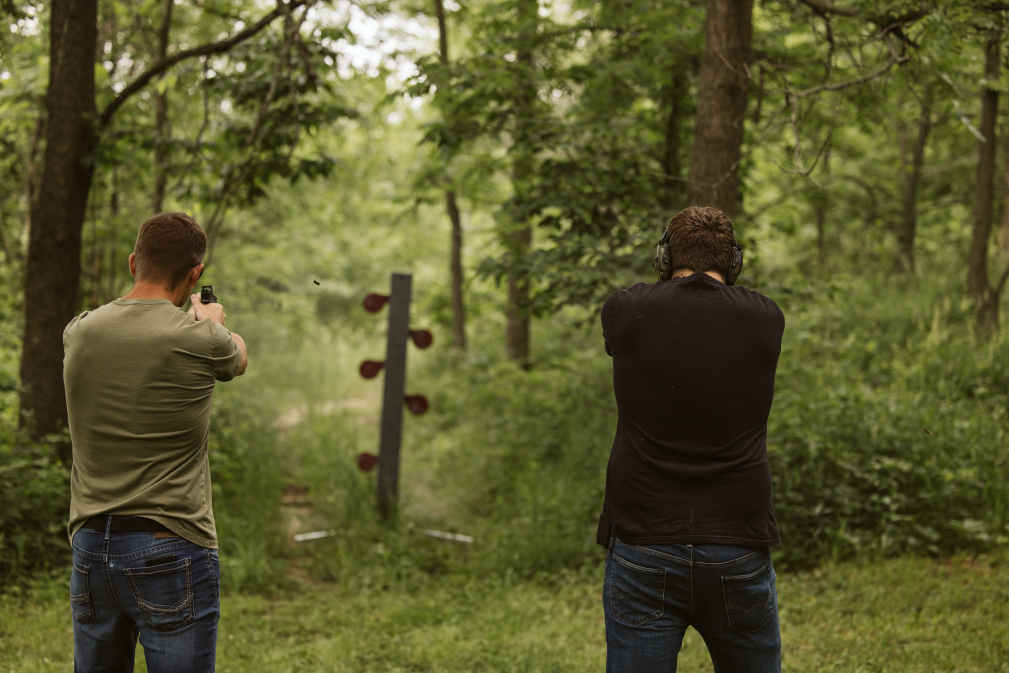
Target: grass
897, 615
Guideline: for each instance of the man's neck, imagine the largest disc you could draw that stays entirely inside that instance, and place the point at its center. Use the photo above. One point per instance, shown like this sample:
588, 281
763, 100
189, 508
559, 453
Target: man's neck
144, 290
683, 273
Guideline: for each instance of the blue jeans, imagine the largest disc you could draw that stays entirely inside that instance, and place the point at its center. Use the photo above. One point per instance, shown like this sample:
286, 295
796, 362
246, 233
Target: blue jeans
651, 595
115, 596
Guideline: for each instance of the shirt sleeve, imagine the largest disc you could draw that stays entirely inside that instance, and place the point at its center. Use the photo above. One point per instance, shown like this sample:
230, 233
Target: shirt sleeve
227, 355
609, 318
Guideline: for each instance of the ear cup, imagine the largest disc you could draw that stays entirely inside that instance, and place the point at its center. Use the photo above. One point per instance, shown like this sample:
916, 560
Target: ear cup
661, 262
737, 265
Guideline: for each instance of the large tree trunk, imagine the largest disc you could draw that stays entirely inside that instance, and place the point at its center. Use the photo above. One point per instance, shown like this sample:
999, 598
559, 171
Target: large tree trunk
984, 295
54, 253
912, 176
455, 255
721, 105
161, 112
523, 152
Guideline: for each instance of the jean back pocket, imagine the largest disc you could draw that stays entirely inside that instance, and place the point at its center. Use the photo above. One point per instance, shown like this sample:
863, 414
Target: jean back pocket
164, 594
749, 599
80, 594
636, 593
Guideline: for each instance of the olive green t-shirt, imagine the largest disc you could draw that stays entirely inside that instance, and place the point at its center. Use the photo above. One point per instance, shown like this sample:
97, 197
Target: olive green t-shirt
139, 374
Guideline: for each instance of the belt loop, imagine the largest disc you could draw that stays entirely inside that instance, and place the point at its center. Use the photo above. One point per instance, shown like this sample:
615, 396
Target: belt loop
105, 542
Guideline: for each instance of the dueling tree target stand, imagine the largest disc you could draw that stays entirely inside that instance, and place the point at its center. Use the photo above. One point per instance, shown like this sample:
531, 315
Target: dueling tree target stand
394, 395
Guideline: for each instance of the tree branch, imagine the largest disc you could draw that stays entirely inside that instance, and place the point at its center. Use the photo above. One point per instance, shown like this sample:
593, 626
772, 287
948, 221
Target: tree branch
837, 86
825, 7
203, 50
1001, 282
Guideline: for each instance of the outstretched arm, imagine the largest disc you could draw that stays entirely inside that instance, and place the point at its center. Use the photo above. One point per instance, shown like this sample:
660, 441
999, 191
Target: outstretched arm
215, 313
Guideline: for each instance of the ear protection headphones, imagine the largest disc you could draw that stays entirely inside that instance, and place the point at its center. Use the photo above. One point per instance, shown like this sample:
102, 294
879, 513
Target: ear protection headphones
663, 266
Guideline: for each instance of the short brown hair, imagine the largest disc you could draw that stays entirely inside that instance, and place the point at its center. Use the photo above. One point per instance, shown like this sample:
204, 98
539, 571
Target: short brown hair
701, 239
168, 246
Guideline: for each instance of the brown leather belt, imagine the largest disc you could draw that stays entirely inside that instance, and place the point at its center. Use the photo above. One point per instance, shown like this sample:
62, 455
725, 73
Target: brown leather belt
126, 524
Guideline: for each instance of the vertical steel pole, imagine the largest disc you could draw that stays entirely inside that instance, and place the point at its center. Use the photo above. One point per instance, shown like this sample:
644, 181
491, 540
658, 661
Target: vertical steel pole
395, 390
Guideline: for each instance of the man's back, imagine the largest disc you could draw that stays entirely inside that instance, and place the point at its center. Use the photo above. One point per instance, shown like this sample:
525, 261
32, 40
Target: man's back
693, 372
139, 374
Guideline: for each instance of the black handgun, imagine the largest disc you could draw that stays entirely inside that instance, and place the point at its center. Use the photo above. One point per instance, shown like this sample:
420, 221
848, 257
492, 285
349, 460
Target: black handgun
207, 295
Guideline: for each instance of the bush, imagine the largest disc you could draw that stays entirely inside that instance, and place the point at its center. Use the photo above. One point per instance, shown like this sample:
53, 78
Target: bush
34, 508
248, 479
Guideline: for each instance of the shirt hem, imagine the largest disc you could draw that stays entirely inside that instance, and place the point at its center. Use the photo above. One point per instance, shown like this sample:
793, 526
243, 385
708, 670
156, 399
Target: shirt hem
686, 538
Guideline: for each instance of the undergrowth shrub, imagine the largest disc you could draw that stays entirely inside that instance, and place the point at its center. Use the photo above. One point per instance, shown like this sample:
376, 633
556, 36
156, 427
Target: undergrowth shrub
248, 479
34, 508
888, 433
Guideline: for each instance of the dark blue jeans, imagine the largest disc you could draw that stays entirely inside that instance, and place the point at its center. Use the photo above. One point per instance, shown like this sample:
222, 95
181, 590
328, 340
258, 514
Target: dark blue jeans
115, 597
653, 593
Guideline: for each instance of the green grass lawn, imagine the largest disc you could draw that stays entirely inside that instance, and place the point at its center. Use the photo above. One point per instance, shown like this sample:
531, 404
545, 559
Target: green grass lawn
901, 615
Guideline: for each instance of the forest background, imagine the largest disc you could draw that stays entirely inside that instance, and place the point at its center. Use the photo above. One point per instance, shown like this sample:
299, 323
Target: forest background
520, 158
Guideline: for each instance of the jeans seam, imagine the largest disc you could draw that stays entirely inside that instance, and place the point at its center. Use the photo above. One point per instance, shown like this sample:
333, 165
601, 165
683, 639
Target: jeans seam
213, 575
691, 569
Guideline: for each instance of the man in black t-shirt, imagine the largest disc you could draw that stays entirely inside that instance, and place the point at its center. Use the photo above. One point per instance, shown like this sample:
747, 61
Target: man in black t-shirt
688, 514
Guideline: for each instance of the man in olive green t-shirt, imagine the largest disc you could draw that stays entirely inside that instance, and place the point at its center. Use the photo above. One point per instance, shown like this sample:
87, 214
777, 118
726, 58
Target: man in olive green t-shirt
139, 375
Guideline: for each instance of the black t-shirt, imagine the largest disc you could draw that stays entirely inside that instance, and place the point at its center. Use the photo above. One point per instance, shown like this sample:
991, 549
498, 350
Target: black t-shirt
693, 373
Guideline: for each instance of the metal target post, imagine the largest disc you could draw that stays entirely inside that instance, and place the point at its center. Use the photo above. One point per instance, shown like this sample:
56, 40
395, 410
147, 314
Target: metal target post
395, 391
394, 394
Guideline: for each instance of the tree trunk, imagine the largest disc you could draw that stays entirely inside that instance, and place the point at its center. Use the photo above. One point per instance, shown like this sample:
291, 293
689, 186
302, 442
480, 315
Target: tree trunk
54, 254
523, 152
984, 295
721, 105
455, 262
161, 111
455, 255
912, 176
1003, 232
821, 202
672, 164
820, 214
31, 174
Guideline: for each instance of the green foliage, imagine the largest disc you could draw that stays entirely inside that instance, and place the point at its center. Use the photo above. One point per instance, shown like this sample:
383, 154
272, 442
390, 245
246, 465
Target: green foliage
888, 433
247, 481
34, 504
574, 120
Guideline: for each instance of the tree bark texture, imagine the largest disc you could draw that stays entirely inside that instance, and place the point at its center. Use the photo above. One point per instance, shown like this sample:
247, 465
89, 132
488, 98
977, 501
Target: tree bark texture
672, 163
986, 300
54, 255
455, 263
161, 112
984, 295
912, 176
721, 105
1003, 232
455, 254
517, 327
520, 238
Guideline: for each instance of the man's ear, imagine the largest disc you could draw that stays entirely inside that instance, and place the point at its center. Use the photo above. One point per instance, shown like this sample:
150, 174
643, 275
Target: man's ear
194, 275
133, 265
